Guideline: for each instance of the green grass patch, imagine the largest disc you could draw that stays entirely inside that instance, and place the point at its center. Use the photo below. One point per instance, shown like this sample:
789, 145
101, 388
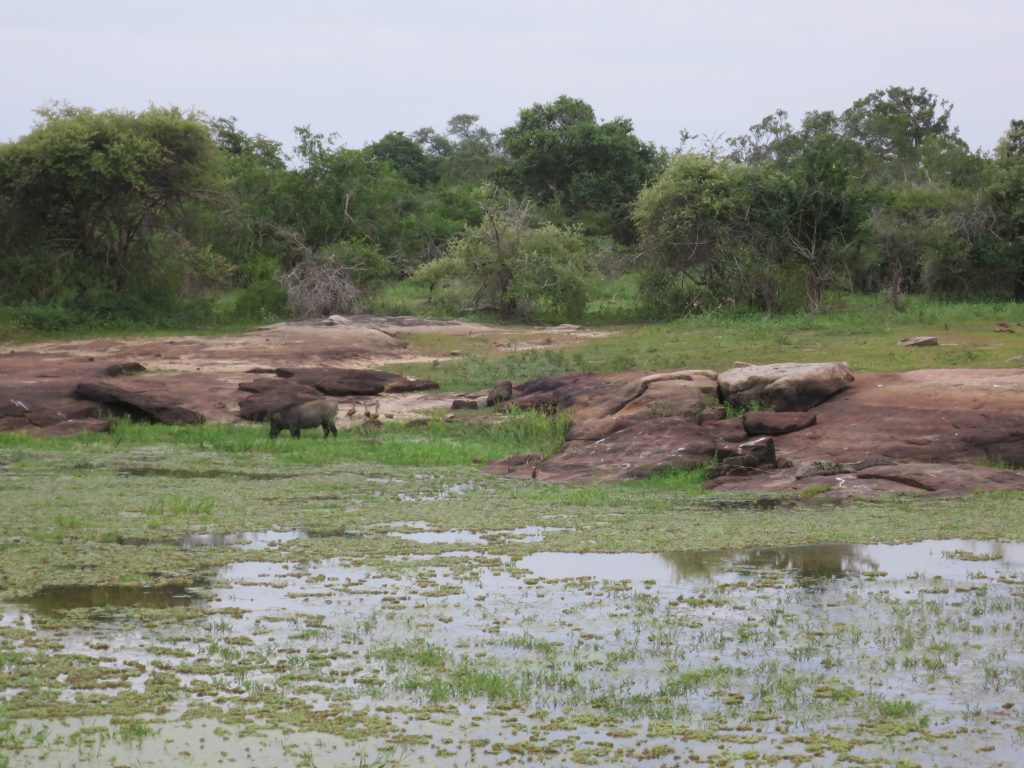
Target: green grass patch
437, 443
862, 332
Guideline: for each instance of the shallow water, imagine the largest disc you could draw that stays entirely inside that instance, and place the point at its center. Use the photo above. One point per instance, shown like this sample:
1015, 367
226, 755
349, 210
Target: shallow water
244, 539
944, 559
64, 598
815, 655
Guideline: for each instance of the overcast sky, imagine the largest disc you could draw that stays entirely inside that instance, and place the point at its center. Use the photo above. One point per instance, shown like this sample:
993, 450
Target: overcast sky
362, 69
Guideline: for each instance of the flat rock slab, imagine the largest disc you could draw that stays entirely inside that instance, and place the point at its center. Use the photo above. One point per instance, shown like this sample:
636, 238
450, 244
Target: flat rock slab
204, 372
341, 382
914, 479
946, 478
153, 406
919, 341
776, 422
784, 386
639, 450
942, 419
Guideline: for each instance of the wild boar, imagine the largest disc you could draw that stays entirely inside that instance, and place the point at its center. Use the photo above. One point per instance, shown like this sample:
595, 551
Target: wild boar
299, 416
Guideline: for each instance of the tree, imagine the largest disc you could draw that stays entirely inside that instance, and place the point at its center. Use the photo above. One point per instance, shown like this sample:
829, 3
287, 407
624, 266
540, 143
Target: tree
814, 212
695, 238
406, 157
467, 152
562, 157
910, 229
512, 265
85, 194
894, 123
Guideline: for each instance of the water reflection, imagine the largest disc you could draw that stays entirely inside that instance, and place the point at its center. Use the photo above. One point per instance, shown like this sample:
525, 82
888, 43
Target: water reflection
811, 561
245, 539
954, 559
69, 597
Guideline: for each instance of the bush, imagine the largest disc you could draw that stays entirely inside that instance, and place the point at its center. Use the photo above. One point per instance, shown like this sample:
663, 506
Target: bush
508, 266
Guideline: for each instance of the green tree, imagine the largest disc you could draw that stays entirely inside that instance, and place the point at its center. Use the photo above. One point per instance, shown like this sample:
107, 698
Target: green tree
511, 265
85, 196
814, 212
467, 153
562, 157
696, 248
893, 125
406, 157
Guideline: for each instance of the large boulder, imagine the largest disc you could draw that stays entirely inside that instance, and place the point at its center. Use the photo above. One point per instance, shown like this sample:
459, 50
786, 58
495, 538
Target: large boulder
784, 386
776, 422
686, 395
638, 450
341, 382
152, 406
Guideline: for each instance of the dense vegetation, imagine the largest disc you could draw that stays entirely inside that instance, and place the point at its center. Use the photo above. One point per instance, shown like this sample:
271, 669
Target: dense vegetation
167, 218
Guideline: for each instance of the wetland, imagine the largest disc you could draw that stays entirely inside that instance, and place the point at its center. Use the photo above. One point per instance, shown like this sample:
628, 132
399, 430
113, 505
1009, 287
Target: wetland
345, 612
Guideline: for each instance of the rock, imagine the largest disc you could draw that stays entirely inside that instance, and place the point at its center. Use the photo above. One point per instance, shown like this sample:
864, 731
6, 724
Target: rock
784, 386
124, 369
727, 430
818, 468
683, 397
336, 320
460, 404
919, 341
760, 450
419, 421
711, 413
638, 450
567, 327
776, 422
596, 429
1003, 327
75, 427
153, 407
14, 407
46, 417
341, 382
946, 478
500, 393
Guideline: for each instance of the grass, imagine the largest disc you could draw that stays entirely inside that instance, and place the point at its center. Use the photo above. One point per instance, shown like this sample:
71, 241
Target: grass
862, 332
436, 443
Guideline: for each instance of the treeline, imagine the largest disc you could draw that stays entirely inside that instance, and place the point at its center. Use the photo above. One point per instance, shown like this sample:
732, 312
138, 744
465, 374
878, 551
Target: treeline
140, 216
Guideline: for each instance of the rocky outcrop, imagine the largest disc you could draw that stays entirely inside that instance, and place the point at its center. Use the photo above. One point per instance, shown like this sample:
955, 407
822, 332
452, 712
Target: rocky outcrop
341, 382
638, 450
153, 406
784, 386
628, 425
776, 422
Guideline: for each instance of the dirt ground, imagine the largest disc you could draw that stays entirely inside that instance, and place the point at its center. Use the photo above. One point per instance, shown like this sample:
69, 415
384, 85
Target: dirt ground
202, 373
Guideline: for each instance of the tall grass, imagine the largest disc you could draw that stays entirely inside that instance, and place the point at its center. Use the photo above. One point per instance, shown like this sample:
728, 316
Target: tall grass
435, 444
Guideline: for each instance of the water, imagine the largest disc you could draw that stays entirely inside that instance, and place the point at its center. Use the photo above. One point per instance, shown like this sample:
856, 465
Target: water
64, 598
950, 559
586, 658
244, 539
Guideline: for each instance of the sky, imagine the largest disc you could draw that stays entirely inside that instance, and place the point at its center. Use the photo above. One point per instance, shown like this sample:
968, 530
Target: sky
362, 69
